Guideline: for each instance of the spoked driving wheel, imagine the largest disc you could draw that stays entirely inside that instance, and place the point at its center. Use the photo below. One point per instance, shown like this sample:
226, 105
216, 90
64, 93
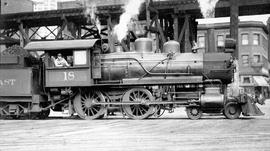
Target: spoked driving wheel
194, 113
85, 104
138, 111
232, 110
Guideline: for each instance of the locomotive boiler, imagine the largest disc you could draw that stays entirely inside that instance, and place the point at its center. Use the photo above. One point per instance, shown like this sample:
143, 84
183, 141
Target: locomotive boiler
143, 63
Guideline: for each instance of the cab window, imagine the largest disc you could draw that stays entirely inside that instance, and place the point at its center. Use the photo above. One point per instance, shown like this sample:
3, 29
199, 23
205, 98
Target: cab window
60, 59
80, 57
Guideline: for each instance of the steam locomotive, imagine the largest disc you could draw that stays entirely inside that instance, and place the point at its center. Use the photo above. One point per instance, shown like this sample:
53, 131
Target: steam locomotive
140, 83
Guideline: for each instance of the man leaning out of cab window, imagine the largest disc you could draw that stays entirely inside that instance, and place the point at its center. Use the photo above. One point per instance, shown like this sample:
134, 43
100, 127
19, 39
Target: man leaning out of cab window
60, 61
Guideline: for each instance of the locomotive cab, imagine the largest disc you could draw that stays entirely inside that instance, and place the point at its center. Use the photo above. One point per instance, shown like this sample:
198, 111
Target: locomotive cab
77, 54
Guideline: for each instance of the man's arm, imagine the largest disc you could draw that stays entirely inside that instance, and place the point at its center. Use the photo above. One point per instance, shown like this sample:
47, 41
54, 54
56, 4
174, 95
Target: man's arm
65, 63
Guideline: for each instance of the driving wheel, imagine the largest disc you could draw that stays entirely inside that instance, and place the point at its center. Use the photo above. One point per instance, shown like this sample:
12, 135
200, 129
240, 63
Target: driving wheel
85, 104
138, 111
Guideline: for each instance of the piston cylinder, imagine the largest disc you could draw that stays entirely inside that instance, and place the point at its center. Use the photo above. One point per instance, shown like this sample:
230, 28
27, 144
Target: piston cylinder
212, 98
143, 45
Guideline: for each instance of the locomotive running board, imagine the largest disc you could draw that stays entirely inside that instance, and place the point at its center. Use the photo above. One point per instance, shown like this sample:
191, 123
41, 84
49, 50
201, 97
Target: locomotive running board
184, 103
164, 80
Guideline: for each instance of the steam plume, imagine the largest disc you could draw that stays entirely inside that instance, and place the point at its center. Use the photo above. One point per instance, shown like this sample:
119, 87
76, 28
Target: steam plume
130, 10
90, 13
208, 7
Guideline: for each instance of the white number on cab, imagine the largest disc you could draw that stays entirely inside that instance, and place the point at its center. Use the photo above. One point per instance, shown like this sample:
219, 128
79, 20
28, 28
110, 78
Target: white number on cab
69, 76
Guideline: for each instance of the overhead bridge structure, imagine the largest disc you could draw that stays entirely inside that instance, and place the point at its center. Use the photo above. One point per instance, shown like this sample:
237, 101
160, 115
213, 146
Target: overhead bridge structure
168, 19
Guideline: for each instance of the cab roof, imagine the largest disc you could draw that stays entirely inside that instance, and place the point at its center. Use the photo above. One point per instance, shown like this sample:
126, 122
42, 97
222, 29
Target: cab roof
61, 45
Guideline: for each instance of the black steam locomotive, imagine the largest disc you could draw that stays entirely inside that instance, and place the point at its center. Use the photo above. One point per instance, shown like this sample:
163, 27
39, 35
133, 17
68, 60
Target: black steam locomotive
141, 83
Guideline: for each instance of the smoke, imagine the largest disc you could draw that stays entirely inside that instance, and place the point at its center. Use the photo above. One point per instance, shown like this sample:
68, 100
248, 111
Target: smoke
208, 7
90, 13
131, 9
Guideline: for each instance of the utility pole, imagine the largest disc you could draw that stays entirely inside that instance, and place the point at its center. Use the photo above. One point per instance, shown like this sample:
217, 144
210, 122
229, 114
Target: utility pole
148, 19
268, 28
234, 24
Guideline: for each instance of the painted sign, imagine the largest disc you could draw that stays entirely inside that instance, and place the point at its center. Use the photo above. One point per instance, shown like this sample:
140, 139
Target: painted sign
16, 82
68, 77
7, 82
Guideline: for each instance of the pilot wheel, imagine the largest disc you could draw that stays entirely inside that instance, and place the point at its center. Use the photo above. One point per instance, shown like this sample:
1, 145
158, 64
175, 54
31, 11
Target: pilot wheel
44, 114
232, 110
194, 113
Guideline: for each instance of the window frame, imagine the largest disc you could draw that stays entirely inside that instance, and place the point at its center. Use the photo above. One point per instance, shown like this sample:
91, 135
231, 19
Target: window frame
249, 77
204, 44
259, 38
260, 58
242, 34
50, 61
86, 57
248, 59
223, 38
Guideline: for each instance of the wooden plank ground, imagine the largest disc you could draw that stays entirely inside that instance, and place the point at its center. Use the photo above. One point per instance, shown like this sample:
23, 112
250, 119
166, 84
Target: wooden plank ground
172, 132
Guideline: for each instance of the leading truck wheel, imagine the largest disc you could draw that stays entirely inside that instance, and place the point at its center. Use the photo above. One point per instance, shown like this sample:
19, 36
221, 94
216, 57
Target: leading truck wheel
44, 114
138, 111
232, 110
85, 107
194, 113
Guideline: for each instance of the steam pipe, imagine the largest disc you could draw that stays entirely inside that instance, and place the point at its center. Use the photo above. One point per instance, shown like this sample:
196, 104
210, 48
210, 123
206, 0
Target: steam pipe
148, 72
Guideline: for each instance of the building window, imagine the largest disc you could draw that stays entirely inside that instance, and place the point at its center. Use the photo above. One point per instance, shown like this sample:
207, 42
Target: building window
245, 60
246, 80
256, 39
220, 41
201, 41
244, 38
264, 43
256, 58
